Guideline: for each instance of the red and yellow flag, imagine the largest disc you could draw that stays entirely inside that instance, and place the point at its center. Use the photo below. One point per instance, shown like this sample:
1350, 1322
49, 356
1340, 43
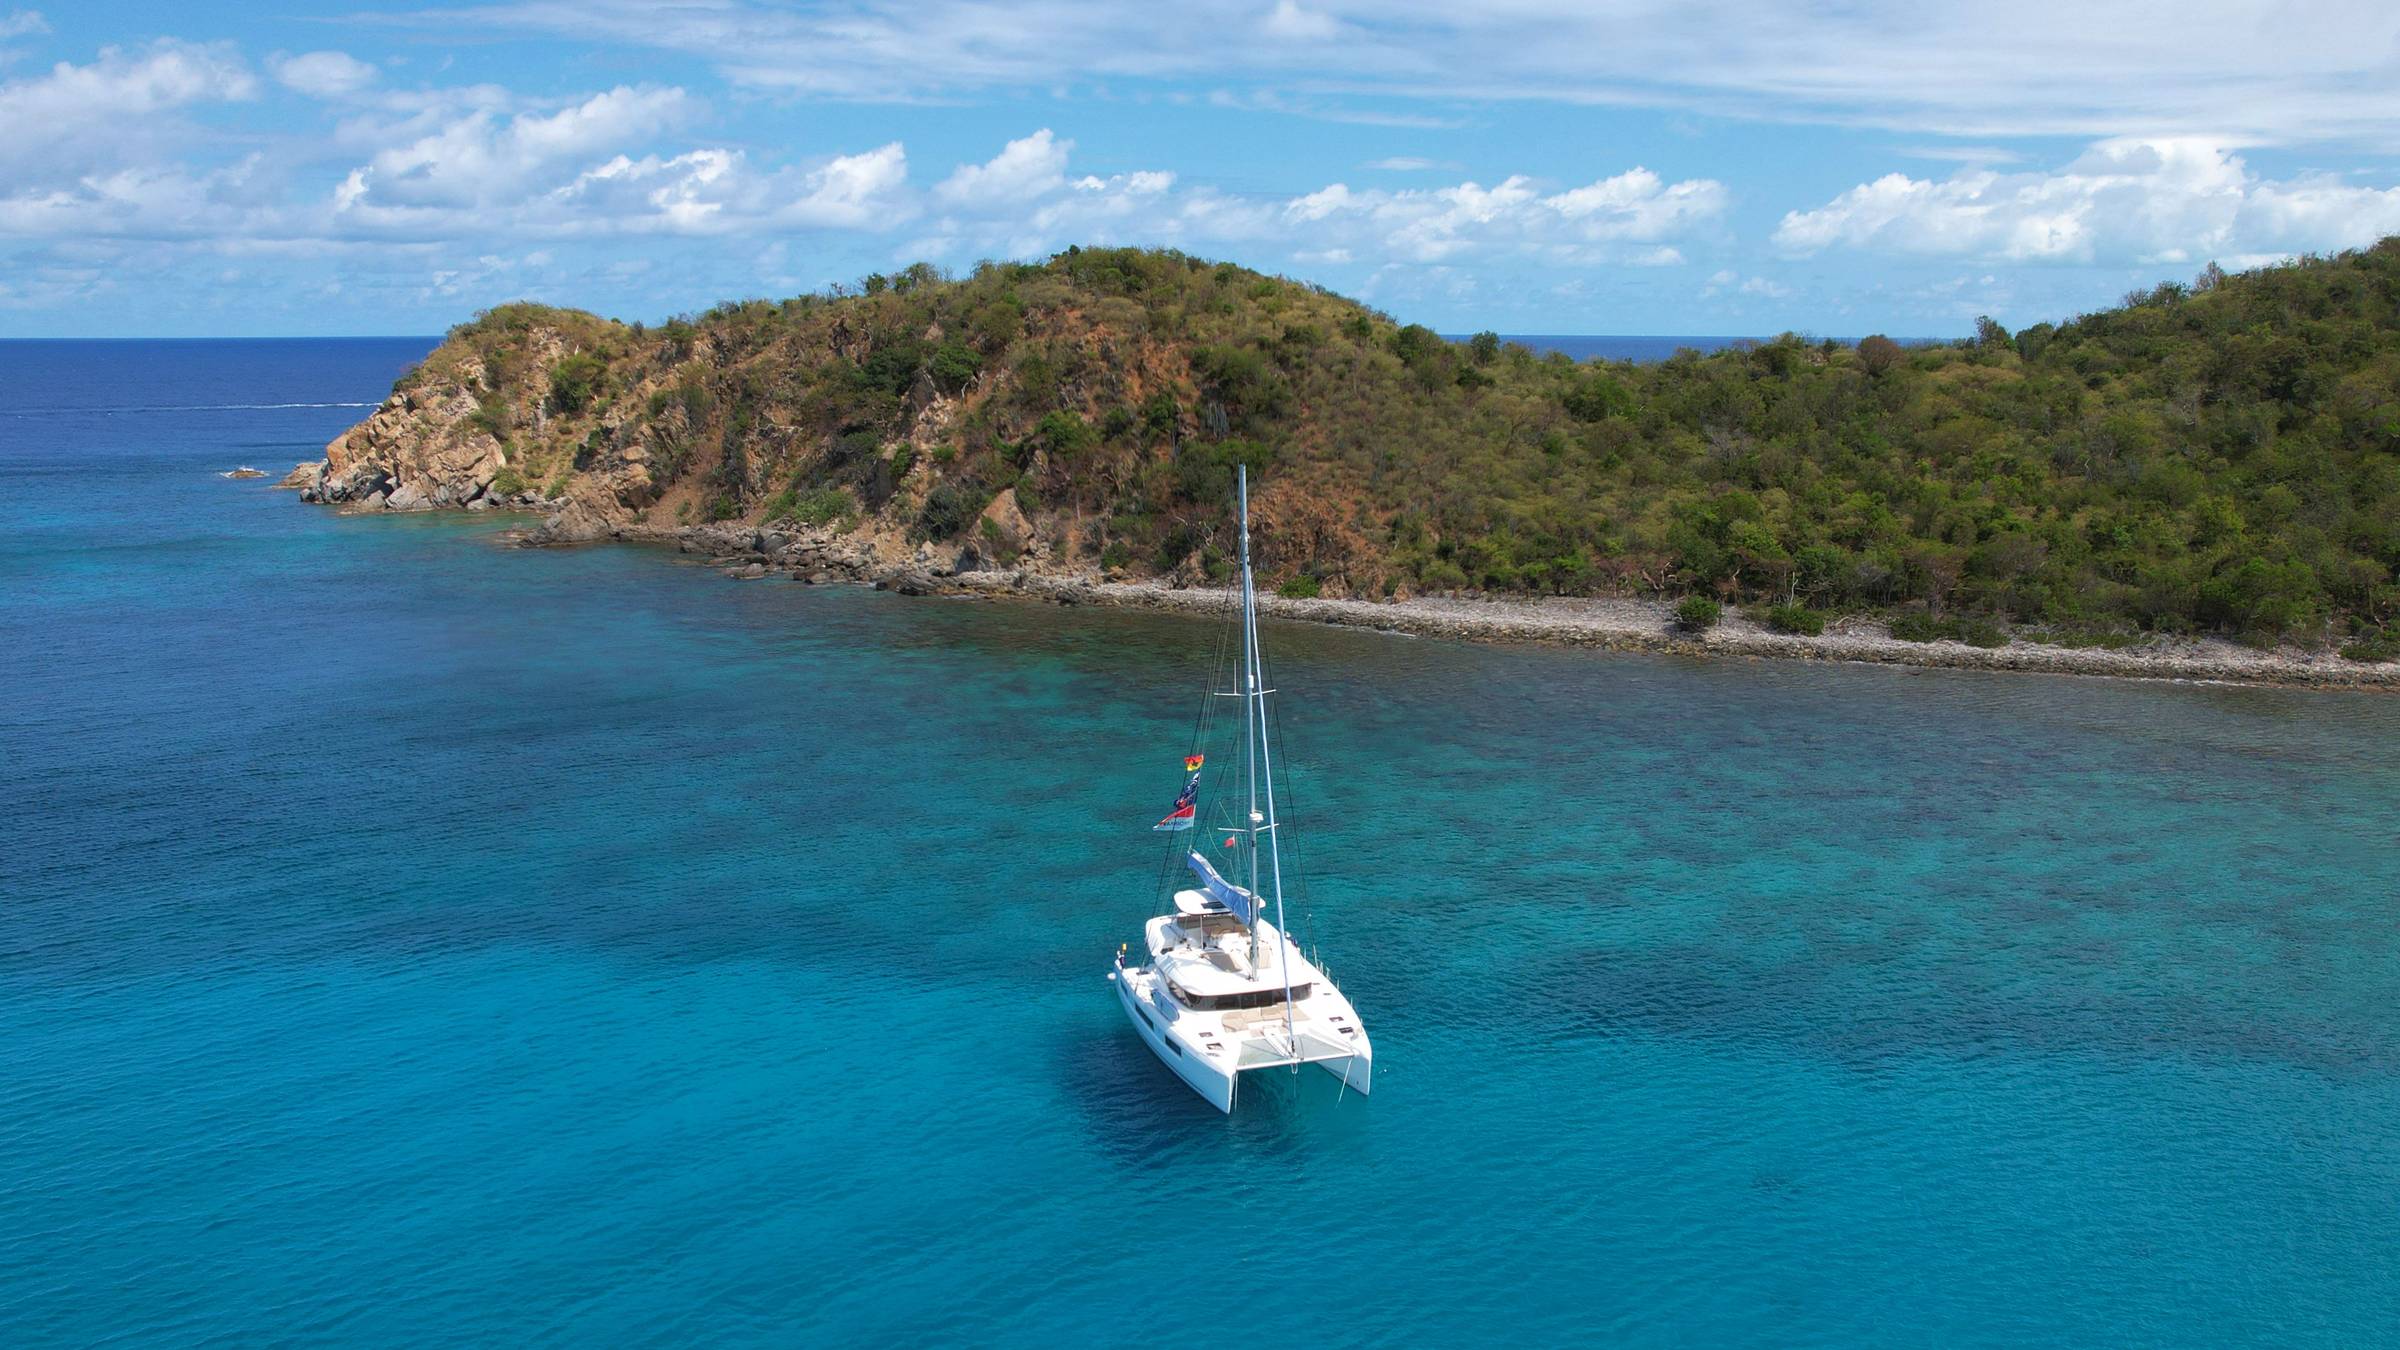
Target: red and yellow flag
1191, 763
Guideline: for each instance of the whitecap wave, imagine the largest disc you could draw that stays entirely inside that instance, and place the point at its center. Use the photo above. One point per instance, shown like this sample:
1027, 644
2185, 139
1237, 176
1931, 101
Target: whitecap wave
170, 408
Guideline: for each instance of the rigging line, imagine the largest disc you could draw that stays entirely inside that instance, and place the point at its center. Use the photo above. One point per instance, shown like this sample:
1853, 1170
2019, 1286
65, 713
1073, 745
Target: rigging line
1308, 915
1202, 722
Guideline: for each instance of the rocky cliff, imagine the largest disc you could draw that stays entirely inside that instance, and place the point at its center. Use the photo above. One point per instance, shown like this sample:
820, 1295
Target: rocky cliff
2222, 458
928, 427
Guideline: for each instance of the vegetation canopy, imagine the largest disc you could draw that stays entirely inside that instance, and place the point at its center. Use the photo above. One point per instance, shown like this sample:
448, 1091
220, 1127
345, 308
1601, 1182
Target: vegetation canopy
2220, 457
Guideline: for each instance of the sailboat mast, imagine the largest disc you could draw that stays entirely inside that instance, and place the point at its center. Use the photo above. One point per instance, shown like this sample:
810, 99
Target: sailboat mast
1250, 729
1265, 763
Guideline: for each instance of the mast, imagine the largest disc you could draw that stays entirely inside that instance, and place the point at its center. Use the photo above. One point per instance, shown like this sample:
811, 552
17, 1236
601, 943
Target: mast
1250, 736
1257, 701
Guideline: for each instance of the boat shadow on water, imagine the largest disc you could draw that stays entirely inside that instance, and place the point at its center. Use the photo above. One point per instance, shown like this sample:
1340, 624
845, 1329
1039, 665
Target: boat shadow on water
1132, 1107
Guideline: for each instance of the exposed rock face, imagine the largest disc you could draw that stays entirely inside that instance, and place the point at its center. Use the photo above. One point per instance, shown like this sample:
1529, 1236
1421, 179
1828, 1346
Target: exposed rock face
421, 449
583, 518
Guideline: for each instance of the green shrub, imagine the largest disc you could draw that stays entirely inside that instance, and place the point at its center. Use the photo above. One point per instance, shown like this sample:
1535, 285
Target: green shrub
1064, 434
1302, 587
492, 416
508, 482
954, 366
2376, 647
1974, 630
1798, 619
816, 506
1981, 632
1918, 626
1698, 613
950, 506
574, 381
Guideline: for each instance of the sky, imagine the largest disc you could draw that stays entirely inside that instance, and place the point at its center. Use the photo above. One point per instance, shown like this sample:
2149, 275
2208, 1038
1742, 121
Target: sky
1661, 166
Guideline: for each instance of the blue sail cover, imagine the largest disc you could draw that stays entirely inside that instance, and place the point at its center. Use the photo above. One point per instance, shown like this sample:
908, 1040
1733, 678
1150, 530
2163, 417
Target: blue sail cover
1241, 902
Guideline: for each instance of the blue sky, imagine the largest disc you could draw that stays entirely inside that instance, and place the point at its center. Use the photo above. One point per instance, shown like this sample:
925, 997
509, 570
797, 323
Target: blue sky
1699, 167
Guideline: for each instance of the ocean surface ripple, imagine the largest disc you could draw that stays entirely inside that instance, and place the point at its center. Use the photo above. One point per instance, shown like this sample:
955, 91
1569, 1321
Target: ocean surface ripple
413, 941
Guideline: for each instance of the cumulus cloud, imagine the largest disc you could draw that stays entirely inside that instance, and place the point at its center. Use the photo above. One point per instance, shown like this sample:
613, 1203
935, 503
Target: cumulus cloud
1024, 169
485, 157
853, 191
74, 119
324, 74
1026, 199
97, 147
2144, 201
1593, 222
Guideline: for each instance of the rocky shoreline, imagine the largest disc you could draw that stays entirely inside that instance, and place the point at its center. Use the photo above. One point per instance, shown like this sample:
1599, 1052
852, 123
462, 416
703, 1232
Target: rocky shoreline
825, 555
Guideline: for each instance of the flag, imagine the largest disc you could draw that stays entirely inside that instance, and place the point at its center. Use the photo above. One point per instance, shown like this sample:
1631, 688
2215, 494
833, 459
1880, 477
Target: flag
1185, 807
1192, 763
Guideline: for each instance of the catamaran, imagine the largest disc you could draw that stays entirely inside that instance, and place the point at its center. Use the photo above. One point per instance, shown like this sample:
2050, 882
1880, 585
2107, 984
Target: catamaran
1226, 991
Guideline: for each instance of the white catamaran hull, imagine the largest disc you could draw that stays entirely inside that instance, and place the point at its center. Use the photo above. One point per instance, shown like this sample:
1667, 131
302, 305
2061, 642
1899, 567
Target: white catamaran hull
1213, 1083
1210, 1057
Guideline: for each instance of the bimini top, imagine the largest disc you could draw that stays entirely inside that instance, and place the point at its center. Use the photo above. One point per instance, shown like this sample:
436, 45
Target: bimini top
1240, 903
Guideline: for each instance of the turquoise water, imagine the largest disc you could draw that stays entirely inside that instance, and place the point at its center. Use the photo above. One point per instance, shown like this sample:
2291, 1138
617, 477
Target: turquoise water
413, 941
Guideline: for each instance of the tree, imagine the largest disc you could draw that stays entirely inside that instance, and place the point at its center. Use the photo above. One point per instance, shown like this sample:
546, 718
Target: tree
1484, 347
1878, 354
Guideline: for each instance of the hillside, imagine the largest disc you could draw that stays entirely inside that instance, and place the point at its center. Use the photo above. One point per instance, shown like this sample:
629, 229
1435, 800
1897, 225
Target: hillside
2220, 458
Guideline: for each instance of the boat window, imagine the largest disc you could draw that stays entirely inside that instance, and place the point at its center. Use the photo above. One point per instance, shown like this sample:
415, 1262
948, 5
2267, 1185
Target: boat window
1248, 998
1171, 1045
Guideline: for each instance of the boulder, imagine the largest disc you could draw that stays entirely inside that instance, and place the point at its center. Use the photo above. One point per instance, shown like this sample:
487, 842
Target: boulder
1010, 530
580, 519
408, 497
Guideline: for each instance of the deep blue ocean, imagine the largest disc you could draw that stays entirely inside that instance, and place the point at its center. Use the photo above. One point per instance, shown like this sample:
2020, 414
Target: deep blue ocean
1613, 347
410, 940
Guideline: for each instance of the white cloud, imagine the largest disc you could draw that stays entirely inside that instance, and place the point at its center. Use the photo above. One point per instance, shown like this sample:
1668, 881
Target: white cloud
487, 158
1024, 169
1026, 200
23, 23
1965, 154
76, 120
1290, 23
2168, 200
1587, 223
2316, 71
854, 191
324, 74
1726, 281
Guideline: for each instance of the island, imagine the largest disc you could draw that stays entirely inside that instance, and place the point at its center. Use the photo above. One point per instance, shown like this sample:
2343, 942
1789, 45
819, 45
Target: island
2202, 482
